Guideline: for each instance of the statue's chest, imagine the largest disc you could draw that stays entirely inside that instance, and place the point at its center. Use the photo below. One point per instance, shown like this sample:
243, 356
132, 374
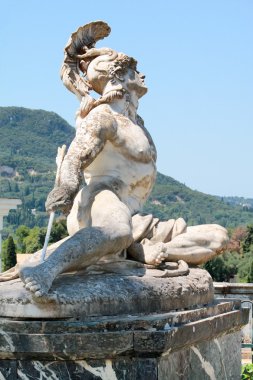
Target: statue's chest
132, 140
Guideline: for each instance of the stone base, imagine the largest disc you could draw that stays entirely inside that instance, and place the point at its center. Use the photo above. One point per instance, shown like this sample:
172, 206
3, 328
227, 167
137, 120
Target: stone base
87, 295
202, 343
120, 327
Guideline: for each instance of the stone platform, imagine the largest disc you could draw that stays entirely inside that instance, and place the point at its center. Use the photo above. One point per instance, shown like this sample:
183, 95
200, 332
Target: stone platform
203, 343
85, 295
174, 330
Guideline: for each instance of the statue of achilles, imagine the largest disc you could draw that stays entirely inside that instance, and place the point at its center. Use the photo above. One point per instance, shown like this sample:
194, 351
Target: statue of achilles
116, 156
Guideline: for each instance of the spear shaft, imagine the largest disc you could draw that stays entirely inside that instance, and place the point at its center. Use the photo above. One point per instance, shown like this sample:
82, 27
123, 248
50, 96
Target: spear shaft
49, 228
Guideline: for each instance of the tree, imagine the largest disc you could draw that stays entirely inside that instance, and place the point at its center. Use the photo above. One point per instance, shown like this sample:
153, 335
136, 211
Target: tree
31, 240
9, 254
250, 273
244, 267
218, 269
238, 235
35, 240
59, 231
248, 241
21, 233
237, 259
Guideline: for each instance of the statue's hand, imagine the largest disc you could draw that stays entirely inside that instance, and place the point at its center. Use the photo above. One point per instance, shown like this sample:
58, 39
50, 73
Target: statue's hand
60, 198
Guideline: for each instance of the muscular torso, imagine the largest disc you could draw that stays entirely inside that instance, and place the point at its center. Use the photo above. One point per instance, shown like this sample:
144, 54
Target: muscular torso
113, 153
126, 163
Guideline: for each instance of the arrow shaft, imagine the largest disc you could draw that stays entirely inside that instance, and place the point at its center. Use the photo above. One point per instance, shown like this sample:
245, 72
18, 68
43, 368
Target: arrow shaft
49, 228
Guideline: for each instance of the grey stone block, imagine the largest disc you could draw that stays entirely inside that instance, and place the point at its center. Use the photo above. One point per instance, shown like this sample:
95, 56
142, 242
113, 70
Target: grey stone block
196, 344
8, 369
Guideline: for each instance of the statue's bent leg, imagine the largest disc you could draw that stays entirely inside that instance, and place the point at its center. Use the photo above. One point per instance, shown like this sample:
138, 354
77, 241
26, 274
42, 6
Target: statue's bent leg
198, 244
110, 232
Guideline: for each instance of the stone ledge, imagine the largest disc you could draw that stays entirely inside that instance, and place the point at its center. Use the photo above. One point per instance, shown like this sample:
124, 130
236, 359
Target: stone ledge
151, 335
189, 334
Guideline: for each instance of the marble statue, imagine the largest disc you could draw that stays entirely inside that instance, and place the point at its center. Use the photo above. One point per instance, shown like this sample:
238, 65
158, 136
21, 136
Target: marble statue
116, 156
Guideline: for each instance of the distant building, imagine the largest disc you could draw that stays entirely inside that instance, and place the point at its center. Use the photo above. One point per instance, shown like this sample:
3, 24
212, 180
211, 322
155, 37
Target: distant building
6, 204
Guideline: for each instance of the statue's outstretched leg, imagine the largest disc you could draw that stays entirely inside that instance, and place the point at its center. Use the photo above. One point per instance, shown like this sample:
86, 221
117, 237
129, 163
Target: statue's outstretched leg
9, 274
110, 232
197, 245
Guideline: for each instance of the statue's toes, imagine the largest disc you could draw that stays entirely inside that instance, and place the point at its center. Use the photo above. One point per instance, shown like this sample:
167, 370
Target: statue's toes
27, 280
29, 284
39, 293
161, 257
35, 288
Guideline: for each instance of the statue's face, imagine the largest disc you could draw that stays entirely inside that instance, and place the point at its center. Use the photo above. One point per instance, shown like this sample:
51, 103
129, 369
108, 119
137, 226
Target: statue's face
134, 81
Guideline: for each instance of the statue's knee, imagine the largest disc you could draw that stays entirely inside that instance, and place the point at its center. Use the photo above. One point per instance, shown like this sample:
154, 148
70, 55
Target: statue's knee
124, 235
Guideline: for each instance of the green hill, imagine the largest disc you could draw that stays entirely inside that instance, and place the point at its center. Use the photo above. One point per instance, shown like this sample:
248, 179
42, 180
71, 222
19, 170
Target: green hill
28, 146
28, 138
171, 198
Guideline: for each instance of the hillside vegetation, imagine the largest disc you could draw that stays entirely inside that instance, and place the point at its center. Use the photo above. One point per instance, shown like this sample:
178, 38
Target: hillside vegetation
171, 198
28, 139
28, 146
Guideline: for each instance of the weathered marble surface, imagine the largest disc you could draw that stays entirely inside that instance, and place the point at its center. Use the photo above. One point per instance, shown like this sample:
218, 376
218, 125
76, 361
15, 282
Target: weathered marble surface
82, 295
202, 343
216, 359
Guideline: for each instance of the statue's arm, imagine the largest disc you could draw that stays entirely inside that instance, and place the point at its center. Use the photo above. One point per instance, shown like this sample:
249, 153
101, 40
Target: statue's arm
89, 141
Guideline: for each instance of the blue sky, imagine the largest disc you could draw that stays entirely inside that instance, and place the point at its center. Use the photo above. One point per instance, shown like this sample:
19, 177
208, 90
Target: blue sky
197, 56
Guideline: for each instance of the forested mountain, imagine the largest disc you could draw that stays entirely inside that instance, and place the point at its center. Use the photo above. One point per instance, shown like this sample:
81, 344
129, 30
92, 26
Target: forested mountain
171, 198
28, 139
245, 203
28, 146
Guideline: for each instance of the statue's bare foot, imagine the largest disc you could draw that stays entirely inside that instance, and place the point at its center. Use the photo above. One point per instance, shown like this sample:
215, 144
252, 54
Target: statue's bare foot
157, 257
36, 279
148, 253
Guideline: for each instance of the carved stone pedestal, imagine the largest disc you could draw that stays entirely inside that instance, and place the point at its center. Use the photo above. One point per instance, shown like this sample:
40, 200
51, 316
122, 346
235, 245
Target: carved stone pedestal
202, 342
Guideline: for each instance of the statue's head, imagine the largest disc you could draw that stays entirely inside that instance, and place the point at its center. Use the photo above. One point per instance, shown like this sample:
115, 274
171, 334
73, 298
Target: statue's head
107, 72
115, 72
